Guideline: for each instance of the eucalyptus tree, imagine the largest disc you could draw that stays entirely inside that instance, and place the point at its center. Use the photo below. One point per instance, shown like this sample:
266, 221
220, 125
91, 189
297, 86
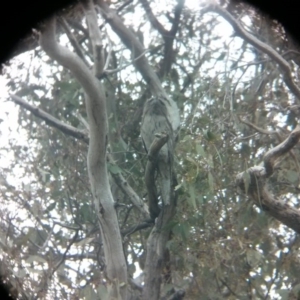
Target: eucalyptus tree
84, 209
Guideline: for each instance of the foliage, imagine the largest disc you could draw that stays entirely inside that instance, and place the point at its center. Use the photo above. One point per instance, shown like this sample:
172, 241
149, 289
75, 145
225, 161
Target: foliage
222, 246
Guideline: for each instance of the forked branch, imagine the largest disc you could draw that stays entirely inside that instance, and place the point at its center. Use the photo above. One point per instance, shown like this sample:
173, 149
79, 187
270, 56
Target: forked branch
265, 48
254, 182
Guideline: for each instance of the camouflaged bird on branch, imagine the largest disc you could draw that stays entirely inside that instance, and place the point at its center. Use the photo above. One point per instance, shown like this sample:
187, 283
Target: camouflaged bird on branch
161, 115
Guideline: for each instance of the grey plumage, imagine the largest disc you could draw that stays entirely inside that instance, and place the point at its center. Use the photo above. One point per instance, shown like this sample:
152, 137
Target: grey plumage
161, 115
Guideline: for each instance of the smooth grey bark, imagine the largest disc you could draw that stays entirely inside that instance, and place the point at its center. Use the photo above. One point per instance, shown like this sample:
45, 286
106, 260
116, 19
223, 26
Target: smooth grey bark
97, 119
156, 244
160, 234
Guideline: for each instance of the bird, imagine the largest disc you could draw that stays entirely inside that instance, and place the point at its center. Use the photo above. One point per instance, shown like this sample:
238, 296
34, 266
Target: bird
161, 115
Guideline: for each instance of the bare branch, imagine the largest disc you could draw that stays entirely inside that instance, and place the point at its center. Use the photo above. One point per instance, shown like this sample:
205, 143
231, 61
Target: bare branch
160, 234
97, 119
263, 131
156, 247
72, 39
82, 135
136, 227
169, 53
283, 64
50, 274
50, 120
136, 48
168, 35
108, 58
153, 20
269, 132
95, 37
156, 145
272, 155
254, 181
177, 13
128, 191
109, 72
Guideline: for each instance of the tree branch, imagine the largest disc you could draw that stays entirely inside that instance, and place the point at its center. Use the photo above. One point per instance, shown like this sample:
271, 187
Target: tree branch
169, 53
95, 37
72, 39
153, 20
128, 191
137, 227
156, 247
272, 155
51, 121
133, 44
254, 182
156, 145
240, 31
97, 169
167, 35
160, 234
263, 131
83, 136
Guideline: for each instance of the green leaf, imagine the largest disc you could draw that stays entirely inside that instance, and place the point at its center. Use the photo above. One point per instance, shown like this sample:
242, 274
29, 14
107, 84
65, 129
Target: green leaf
253, 257
35, 258
221, 56
20, 273
37, 236
85, 212
178, 187
292, 176
210, 136
210, 160
219, 156
102, 292
210, 182
45, 175
247, 180
192, 193
200, 150
167, 287
51, 206
114, 169
183, 230
89, 293
85, 241
284, 293
296, 290
186, 138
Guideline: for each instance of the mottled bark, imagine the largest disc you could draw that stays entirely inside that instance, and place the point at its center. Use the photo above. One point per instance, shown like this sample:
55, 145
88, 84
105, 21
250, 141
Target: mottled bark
254, 183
